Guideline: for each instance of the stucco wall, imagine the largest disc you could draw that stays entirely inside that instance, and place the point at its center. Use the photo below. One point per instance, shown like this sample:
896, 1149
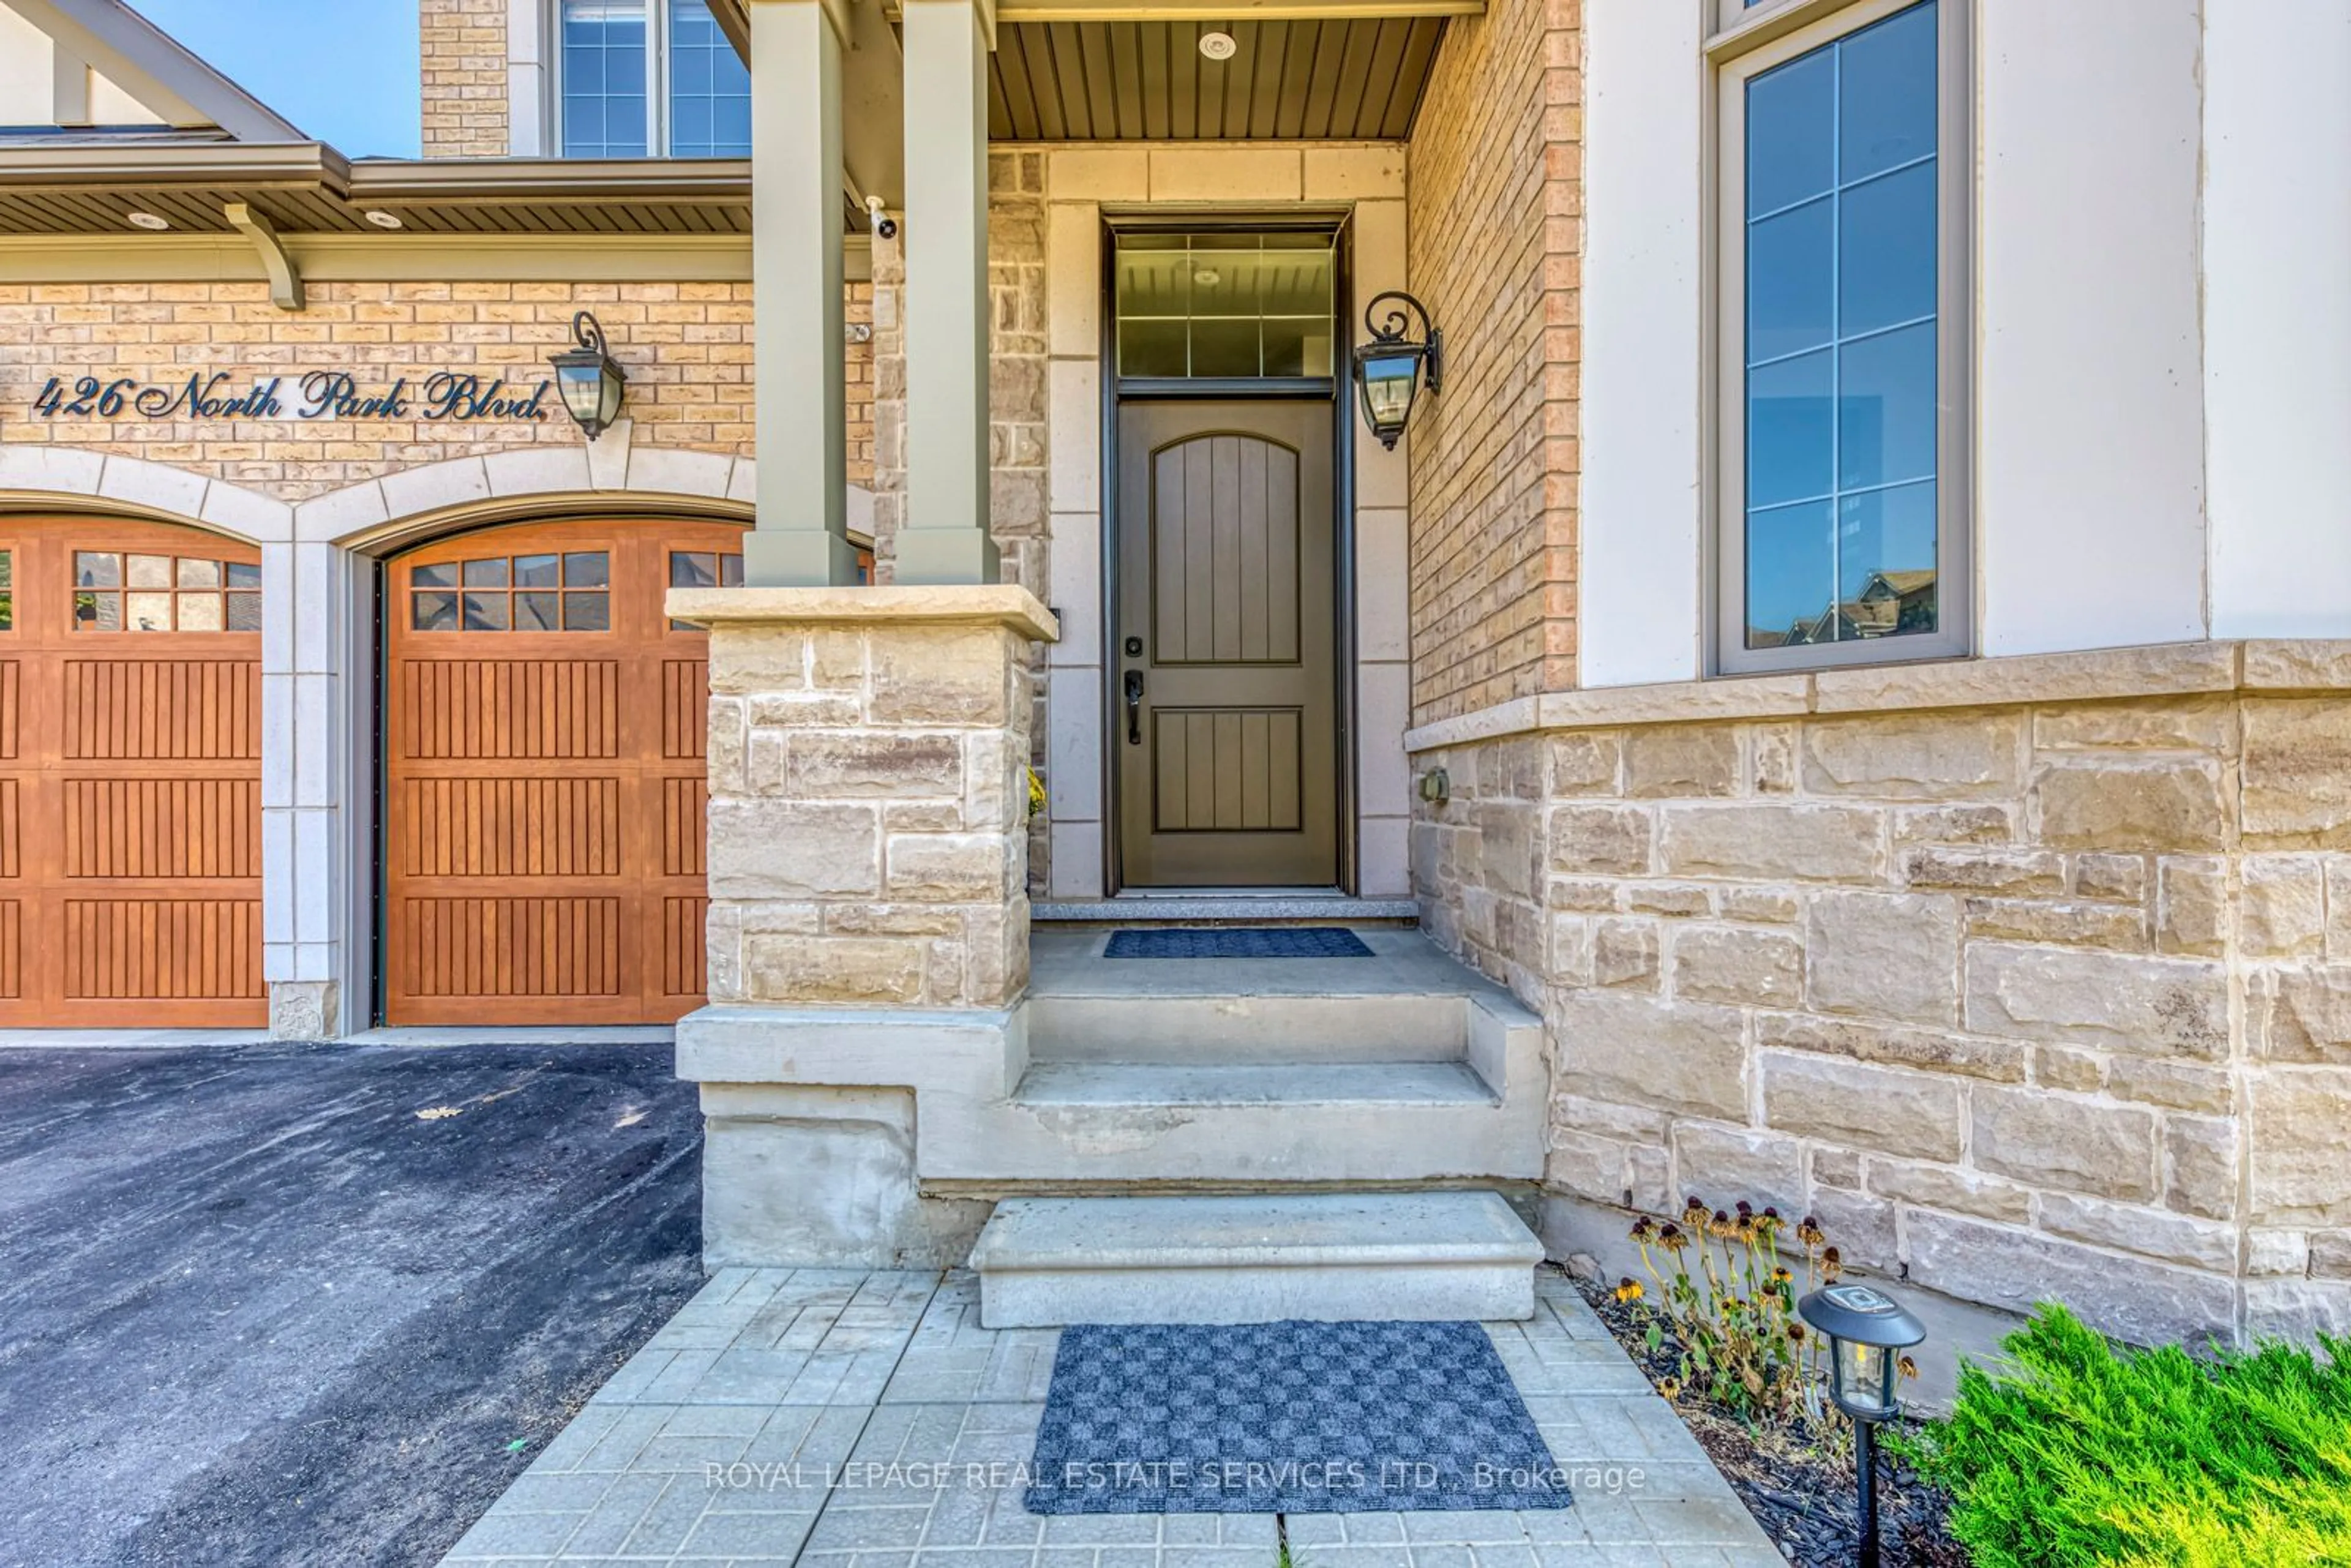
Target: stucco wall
2150, 389
686, 347
2023, 990
1495, 177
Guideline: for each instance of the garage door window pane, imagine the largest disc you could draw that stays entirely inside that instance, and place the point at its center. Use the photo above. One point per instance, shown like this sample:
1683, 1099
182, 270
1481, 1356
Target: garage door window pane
169, 593
539, 611
537, 571
703, 569
433, 612
587, 612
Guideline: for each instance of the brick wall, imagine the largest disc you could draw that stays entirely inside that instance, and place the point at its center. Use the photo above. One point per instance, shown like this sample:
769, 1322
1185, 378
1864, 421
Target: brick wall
464, 78
2029, 1000
687, 347
1494, 211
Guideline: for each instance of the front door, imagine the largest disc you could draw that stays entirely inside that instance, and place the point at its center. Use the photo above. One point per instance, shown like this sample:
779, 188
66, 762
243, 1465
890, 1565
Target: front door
1224, 648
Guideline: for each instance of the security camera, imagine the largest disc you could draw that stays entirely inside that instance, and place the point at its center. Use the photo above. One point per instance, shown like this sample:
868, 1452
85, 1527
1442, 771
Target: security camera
884, 226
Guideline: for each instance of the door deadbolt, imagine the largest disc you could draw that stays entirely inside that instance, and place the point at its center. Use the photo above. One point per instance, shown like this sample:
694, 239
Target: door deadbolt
1135, 647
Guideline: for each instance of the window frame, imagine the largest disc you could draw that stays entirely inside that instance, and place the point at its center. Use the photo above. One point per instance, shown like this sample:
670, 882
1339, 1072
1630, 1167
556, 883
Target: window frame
1766, 35
657, 80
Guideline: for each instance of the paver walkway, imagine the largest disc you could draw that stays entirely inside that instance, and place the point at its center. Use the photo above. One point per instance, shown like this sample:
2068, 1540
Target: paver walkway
866, 1420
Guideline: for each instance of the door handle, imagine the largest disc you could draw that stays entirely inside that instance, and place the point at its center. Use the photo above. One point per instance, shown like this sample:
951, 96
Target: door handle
1135, 707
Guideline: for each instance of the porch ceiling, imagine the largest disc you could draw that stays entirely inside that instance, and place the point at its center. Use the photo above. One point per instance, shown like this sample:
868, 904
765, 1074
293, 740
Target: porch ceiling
1132, 71
1345, 78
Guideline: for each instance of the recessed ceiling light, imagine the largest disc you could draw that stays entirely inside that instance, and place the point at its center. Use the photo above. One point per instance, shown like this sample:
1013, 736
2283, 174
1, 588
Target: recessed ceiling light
147, 221
381, 218
1208, 279
1218, 46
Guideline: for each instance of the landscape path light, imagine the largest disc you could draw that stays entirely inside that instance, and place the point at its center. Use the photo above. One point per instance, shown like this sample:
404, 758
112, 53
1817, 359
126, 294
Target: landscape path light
1867, 1331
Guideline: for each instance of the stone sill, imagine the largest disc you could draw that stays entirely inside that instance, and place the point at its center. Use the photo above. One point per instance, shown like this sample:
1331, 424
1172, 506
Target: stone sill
2282, 666
941, 604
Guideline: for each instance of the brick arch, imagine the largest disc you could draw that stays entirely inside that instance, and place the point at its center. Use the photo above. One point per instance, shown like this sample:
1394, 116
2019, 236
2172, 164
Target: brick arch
78, 478
400, 508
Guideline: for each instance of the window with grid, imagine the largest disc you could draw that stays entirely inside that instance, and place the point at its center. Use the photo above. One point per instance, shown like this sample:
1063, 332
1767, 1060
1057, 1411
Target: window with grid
117, 592
567, 593
703, 569
650, 77
1841, 534
1224, 303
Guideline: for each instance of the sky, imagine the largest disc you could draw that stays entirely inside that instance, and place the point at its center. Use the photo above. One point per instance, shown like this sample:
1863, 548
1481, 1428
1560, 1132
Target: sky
344, 70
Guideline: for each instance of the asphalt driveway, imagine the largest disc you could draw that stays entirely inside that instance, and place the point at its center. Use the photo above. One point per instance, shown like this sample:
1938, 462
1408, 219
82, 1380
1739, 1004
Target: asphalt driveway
254, 1308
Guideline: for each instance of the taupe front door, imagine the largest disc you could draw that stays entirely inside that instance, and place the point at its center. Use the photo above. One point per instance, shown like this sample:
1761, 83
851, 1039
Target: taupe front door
1224, 654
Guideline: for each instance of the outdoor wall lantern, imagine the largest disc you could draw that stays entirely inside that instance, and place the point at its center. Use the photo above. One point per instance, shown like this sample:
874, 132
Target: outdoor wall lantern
1867, 1331
590, 383
1389, 368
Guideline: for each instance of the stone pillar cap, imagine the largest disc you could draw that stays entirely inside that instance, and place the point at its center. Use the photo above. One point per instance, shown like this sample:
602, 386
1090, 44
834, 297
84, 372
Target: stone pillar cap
928, 604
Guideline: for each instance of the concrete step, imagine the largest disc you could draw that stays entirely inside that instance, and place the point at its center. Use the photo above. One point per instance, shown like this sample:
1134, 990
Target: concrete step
1198, 1087
1238, 1026
1325, 1257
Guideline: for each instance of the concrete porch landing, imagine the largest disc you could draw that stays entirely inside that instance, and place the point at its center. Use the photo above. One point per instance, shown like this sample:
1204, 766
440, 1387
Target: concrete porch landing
1400, 1067
839, 1419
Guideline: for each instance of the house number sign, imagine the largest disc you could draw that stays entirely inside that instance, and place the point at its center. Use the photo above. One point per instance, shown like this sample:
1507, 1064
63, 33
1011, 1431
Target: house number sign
446, 396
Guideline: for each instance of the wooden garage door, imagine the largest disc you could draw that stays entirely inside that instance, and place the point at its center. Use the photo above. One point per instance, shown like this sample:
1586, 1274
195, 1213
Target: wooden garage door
544, 789
130, 776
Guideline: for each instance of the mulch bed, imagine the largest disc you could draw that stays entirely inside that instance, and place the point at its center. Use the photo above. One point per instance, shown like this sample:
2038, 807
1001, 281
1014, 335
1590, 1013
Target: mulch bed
1801, 1492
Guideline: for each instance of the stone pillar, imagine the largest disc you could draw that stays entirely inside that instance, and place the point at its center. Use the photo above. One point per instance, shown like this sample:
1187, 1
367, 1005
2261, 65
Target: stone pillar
944, 535
801, 537
869, 918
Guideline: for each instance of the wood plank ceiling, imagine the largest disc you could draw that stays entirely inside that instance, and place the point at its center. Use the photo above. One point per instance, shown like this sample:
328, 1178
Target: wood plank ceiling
1354, 78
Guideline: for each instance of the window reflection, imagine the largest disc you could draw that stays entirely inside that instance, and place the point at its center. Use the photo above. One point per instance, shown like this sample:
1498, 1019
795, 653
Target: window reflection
1224, 303
1842, 250
513, 593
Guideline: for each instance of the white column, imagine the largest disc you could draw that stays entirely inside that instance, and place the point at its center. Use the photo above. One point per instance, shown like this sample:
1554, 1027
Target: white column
944, 535
797, 217
306, 869
2277, 315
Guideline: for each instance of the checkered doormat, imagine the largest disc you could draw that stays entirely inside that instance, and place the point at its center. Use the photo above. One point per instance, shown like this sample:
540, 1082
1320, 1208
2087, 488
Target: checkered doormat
1237, 942
1287, 1417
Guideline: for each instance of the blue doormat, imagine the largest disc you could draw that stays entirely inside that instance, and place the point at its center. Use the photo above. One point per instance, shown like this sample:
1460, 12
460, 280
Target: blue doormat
1239, 941
1287, 1417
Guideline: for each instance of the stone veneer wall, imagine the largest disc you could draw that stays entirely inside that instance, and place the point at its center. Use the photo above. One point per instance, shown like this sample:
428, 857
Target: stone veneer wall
868, 814
2035, 998
463, 76
687, 347
1495, 211
1018, 446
